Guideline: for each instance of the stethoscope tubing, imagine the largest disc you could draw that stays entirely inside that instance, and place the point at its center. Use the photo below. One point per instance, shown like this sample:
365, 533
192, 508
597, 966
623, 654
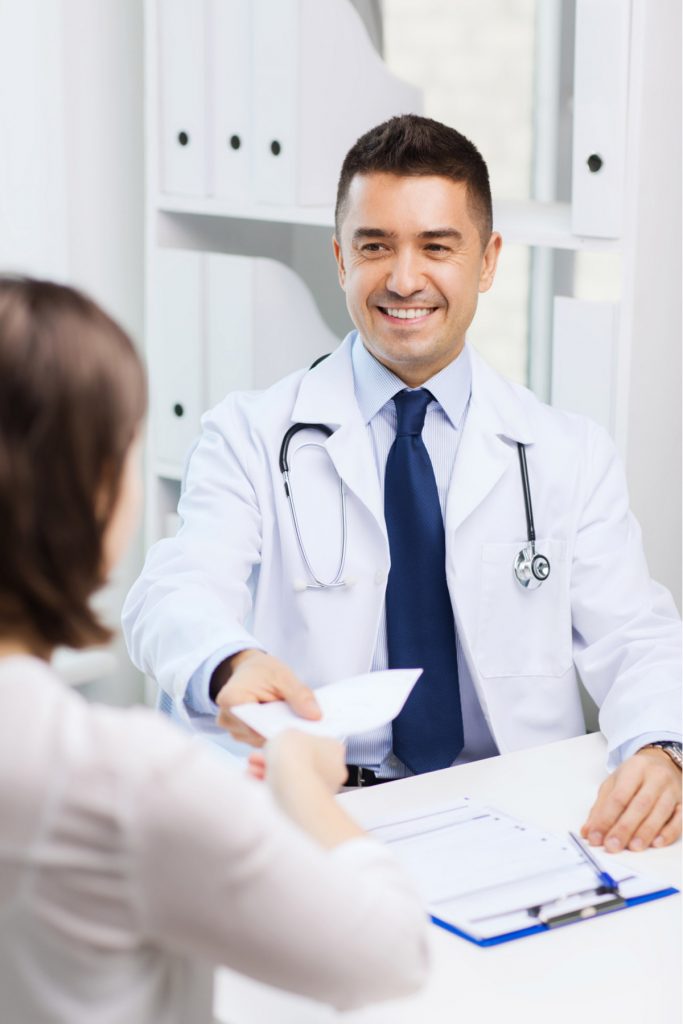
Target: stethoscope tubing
530, 568
337, 580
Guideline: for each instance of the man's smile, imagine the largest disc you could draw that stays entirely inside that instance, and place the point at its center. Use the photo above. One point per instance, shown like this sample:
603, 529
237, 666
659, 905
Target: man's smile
407, 314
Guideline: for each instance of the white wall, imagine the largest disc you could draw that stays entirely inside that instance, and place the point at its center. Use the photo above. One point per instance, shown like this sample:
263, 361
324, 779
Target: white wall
652, 291
72, 176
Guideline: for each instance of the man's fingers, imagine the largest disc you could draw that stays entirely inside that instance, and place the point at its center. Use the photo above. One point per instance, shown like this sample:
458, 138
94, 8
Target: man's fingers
301, 700
613, 799
671, 831
652, 825
645, 815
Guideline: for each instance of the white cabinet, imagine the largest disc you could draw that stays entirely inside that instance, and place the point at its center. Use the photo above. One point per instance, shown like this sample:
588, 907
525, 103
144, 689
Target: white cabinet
254, 105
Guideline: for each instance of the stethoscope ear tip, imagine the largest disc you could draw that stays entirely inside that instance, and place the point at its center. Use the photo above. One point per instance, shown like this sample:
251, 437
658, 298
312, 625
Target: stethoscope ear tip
299, 586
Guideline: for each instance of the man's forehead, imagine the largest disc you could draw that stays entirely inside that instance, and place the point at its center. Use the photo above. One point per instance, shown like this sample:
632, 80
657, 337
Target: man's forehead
418, 204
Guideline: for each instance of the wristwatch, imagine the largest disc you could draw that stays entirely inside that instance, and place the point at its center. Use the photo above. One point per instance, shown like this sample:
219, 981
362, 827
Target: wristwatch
671, 748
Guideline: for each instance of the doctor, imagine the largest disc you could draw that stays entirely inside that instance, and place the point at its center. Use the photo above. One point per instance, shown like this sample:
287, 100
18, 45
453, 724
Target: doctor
479, 533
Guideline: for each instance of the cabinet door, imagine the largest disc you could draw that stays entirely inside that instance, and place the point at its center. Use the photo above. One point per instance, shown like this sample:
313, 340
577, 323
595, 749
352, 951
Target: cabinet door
231, 134
600, 97
182, 97
176, 366
275, 100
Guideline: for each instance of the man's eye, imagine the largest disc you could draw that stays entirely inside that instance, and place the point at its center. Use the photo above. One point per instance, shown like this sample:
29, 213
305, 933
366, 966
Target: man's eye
435, 247
372, 247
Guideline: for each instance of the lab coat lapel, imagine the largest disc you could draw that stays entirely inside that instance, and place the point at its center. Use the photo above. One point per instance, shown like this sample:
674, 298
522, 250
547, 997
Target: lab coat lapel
495, 422
327, 395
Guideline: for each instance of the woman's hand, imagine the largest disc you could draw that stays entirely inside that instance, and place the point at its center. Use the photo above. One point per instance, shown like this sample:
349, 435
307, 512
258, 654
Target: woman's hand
304, 772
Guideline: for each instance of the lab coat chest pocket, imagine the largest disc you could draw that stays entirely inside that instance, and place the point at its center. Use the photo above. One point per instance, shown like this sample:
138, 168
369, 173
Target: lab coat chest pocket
523, 632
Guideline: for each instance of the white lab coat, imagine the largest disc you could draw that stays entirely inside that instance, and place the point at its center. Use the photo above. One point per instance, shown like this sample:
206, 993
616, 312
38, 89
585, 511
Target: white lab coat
232, 574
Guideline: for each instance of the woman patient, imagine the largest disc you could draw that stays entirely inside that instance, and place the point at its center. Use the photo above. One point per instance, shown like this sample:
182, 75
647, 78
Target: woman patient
131, 860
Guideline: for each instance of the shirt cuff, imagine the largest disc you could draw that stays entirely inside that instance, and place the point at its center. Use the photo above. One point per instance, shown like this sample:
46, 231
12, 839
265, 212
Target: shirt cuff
631, 747
197, 699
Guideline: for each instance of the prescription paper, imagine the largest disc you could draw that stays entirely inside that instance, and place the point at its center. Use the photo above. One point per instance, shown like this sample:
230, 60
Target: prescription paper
349, 706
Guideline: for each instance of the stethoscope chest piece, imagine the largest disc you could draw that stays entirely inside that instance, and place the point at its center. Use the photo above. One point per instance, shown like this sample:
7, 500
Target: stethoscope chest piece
531, 569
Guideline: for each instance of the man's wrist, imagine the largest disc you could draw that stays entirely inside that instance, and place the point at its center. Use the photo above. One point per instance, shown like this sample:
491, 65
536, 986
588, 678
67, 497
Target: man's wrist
221, 674
669, 748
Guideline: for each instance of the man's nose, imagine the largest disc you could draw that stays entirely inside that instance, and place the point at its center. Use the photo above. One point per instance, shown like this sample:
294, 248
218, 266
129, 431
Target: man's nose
405, 277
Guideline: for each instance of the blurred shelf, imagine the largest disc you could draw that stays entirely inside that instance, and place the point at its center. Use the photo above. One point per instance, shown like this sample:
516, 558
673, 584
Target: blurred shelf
521, 222
79, 667
547, 225
315, 216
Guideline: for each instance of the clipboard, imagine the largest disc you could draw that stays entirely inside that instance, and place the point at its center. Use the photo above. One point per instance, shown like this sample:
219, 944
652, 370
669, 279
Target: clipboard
556, 922
491, 879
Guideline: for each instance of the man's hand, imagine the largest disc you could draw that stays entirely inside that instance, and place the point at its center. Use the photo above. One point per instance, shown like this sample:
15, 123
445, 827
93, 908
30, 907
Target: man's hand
638, 806
255, 677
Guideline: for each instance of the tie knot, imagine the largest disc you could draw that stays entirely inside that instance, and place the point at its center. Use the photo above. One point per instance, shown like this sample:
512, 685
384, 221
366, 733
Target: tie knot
411, 409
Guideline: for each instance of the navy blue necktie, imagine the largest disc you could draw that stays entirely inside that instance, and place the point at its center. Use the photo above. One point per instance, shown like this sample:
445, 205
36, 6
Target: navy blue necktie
428, 733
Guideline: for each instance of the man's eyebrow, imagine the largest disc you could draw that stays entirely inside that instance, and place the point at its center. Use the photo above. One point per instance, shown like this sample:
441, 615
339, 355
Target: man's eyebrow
372, 233
442, 233
424, 235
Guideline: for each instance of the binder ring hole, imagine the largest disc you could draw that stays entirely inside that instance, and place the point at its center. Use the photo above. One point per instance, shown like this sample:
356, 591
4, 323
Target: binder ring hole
275, 148
178, 409
183, 138
594, 163
235, 141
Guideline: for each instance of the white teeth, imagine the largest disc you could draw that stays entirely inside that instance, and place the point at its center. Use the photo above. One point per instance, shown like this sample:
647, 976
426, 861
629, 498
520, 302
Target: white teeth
408, 314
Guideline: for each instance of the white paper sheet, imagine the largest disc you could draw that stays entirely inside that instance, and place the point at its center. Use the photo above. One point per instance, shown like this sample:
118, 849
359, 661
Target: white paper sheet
349, 706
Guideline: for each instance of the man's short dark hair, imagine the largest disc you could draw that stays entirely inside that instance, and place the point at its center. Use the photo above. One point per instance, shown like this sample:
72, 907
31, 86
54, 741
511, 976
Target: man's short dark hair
72, 397
418, 146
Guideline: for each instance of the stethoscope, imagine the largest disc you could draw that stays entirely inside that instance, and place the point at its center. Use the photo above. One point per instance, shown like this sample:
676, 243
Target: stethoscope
317, 583
531, 569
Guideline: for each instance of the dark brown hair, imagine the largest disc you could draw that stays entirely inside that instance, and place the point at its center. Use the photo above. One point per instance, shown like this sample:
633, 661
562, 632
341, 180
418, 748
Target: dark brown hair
411, 145
72, 395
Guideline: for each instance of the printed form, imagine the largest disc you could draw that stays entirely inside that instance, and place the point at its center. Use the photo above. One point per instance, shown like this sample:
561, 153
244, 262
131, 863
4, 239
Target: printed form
487, 875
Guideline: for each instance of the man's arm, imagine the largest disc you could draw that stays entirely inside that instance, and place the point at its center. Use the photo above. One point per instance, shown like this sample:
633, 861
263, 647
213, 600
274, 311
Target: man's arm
193, 595
627, 651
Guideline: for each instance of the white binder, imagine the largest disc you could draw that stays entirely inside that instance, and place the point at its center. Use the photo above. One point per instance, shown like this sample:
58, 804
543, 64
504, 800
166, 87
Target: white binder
261, 324
600, 98
229, 101
307, 113
176, 337
584, 358
182, 97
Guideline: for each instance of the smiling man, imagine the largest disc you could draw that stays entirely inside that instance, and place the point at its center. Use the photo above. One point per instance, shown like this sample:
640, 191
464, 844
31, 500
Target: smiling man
486, 537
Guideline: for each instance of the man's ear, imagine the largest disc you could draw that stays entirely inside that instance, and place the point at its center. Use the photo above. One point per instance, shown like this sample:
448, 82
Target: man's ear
489, 261
341, 271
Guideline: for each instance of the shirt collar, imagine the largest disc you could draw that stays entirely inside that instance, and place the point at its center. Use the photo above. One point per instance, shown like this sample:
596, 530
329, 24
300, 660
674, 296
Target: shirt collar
375, 385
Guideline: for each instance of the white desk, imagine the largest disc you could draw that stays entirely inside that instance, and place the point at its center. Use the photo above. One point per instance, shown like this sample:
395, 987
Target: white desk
623, 967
